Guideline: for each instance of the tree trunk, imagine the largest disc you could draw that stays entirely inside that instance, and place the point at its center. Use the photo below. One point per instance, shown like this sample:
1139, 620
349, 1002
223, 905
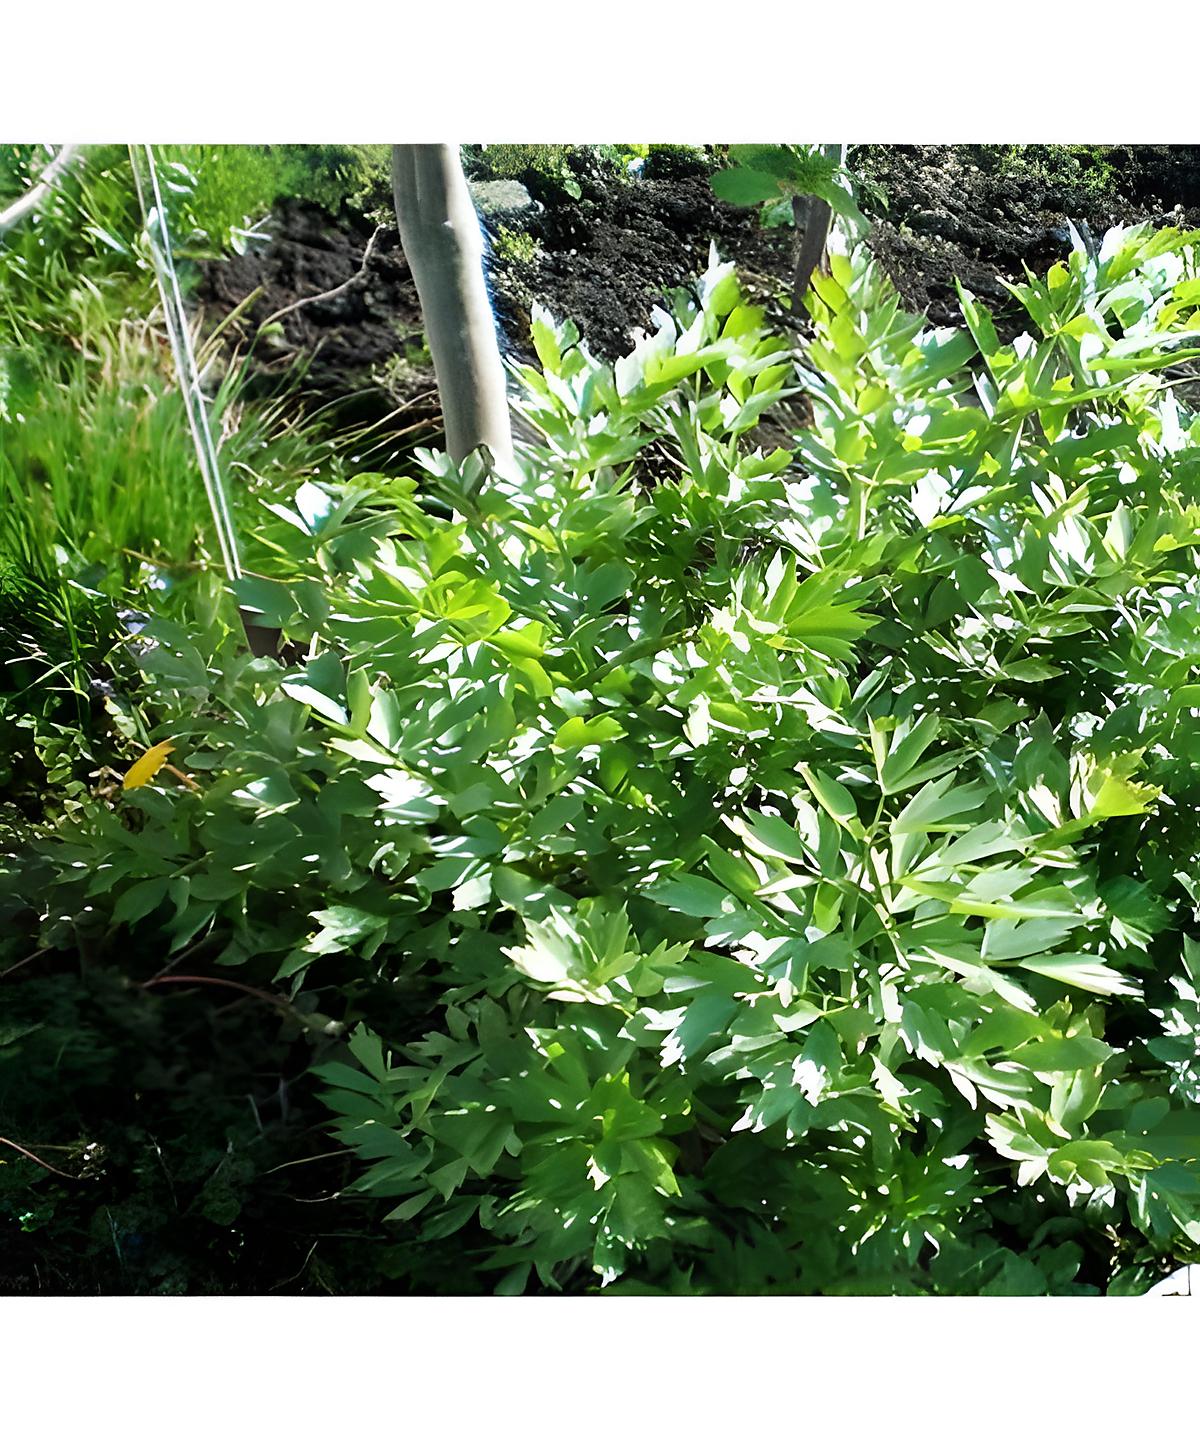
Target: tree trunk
443, 244
811, 217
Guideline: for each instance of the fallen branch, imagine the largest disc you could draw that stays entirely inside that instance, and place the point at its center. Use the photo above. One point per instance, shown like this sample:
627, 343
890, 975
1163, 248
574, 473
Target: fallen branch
308, 1160
319, 1025
360, 274
218, 981
36, 194
45, 1165
183, 779
36, 956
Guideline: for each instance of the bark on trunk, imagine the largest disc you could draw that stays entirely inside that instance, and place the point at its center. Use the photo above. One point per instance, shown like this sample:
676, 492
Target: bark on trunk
812, 218
443, 244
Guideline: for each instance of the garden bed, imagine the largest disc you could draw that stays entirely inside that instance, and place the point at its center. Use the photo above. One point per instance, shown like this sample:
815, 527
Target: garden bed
607, 256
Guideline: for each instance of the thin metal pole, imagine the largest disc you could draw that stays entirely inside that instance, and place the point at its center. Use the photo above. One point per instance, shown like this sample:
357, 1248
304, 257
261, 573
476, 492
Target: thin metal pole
155, 220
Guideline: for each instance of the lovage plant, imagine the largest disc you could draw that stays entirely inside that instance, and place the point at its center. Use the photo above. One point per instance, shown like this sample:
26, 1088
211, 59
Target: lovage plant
737, 871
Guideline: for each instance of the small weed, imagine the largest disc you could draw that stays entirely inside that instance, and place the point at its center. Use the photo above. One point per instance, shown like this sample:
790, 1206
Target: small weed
1084, 166
515, 246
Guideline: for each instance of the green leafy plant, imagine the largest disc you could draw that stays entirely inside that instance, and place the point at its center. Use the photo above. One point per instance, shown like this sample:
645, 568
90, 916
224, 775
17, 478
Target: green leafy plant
148, 1135
515, 246
549, 165
797, 185
701, 869
772, 176
1087, 166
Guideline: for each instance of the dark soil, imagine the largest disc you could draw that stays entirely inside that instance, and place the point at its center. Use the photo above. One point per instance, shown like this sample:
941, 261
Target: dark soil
606, 258
362, 350
978, 214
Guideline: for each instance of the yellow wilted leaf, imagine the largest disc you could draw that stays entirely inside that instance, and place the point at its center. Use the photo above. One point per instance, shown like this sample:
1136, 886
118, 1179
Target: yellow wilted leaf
146, 767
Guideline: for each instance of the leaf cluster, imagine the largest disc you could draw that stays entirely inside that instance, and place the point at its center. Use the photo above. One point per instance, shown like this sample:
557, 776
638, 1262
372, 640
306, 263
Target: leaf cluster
769, 872
772, 176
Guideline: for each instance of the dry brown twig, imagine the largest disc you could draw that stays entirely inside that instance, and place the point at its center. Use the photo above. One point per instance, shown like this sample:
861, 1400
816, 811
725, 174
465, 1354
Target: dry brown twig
359, 274
45, 1165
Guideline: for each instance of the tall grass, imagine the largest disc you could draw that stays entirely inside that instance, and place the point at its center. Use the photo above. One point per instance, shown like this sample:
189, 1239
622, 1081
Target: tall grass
102, 505
98, 475
100, 466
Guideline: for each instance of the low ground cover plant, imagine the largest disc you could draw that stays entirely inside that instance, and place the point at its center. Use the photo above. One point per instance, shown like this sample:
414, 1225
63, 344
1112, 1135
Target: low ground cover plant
700, 868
